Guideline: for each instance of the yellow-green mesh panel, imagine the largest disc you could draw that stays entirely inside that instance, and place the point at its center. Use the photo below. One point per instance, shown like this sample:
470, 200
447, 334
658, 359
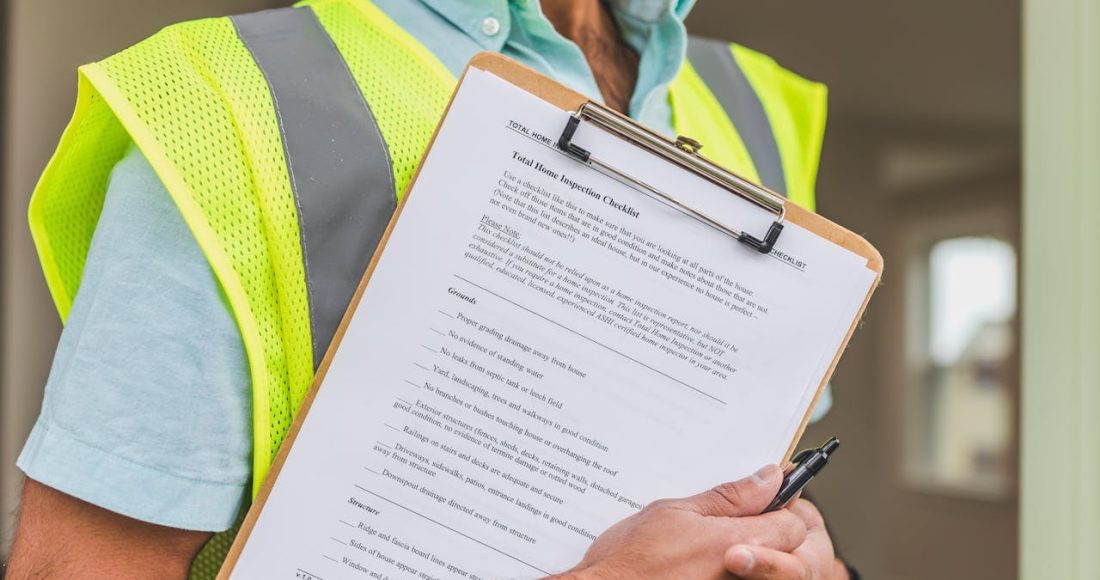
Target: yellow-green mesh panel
406, 87
796, 109
207, 108
209, 561
65, 207
696, 113
194, 101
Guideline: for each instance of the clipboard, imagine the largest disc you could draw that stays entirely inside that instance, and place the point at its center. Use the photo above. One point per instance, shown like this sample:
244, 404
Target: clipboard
683, 151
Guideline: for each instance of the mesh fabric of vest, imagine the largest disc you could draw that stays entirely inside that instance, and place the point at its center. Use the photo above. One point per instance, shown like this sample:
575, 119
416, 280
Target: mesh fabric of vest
795, 107
697, 113
406, 87
198, 107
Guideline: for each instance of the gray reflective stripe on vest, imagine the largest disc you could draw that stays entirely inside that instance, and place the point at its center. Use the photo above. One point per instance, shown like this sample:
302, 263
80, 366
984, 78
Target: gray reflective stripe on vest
339, 165
714, 62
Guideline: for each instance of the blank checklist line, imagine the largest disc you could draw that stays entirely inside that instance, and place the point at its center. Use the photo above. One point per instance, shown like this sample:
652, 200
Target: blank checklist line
392, 427
311, 574
438, 332
330, 558
338, 541
413, 384
445, 314
384, 445
346, 524
404, 401
429, 349
423, 367
372, 471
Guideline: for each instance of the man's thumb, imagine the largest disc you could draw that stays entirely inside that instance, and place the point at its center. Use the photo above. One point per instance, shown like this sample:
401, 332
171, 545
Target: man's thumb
746, 497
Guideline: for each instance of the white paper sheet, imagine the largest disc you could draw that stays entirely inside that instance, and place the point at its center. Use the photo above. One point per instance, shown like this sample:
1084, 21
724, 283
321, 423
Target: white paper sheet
542, 351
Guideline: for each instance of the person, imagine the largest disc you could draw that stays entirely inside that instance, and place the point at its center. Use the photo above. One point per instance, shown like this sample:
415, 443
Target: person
175, 225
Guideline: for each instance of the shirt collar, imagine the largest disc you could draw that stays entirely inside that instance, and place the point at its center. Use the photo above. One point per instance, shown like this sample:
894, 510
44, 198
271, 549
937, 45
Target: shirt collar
653, 10
655, 28
469, 15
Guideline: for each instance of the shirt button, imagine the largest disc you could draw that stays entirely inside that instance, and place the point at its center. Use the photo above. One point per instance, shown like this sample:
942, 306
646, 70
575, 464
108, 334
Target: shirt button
490, 26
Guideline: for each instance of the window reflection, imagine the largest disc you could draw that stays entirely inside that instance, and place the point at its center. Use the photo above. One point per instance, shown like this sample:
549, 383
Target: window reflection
966, 428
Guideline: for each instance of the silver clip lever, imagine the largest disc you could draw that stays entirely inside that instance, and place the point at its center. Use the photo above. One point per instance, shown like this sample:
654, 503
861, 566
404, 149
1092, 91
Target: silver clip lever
684, 152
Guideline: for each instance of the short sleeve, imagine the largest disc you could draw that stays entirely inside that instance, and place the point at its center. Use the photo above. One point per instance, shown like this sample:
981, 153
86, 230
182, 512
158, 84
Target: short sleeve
147, 408
824, 405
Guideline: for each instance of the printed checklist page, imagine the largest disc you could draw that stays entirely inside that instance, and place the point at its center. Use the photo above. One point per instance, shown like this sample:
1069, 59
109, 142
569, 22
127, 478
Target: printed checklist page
540, 352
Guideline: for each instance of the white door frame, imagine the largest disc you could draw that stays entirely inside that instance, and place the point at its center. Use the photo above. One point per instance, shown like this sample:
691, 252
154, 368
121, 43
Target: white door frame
1060, 439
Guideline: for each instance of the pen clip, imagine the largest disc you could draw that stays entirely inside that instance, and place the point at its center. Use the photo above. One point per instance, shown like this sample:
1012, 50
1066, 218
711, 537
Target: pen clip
802, 456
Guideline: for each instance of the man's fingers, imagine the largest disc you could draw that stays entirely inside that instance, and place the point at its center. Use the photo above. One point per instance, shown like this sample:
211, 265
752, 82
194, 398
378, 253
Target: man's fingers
757, 563
747, 497
809, 514
780, 530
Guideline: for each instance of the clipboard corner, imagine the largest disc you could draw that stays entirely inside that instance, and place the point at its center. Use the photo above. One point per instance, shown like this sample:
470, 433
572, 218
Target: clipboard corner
836, 234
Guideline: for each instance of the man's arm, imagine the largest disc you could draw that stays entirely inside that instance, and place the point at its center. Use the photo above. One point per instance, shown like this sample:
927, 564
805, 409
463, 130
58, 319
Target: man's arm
146, 412
61, 537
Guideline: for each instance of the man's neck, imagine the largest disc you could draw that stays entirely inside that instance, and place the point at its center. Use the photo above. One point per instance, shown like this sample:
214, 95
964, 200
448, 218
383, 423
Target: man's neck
590, 25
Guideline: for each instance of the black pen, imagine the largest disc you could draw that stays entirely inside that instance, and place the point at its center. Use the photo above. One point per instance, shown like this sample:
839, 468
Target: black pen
807, 465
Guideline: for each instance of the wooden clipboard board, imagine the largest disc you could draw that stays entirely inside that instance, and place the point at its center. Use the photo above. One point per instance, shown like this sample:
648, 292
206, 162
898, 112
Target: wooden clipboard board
568, 100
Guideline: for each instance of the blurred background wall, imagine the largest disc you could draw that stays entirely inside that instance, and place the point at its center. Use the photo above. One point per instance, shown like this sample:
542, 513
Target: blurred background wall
921, 157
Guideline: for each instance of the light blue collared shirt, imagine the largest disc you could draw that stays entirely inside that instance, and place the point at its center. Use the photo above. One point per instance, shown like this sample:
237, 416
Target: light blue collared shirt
147, 408
455, 31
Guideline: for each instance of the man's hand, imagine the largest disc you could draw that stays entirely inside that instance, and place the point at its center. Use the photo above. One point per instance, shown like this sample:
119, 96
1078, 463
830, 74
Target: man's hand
686, 539
813, 560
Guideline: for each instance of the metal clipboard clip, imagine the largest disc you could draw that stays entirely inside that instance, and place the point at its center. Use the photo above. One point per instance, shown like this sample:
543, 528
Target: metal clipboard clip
684, 152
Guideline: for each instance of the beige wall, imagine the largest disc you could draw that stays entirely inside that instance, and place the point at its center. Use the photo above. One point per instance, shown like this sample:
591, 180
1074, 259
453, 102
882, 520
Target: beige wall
887, 86
894, 529
47, 40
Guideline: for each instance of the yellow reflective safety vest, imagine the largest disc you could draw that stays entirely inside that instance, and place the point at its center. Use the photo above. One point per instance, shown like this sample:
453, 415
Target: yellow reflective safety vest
287, 137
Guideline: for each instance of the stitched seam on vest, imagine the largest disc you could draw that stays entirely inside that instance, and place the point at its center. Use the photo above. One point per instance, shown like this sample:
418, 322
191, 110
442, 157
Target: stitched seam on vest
289, 168
342, 174
377, 130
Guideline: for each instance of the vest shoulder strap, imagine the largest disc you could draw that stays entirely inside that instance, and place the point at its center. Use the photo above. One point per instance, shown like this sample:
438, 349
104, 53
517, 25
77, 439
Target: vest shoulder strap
230, 113
192, 99
773, 120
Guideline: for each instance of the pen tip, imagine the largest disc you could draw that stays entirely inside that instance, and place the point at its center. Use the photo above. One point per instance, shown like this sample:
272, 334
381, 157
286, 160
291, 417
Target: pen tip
830, 446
